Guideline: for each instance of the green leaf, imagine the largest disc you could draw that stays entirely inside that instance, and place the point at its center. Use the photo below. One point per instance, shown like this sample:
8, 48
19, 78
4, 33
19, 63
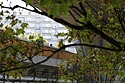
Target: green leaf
13, 22
1, 18
60, 44
116, 3
7, 11
31, 37
64, 9
20, 31
45, 3
28, 2
1, 25
1, 13
24, 25
55, 11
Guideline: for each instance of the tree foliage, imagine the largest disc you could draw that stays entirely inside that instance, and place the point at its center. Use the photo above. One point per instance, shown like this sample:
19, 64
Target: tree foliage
14, 49
89, 21
98, 20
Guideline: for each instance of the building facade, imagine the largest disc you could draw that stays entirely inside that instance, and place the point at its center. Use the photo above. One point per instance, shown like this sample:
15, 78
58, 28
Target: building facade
46, 72
44, 26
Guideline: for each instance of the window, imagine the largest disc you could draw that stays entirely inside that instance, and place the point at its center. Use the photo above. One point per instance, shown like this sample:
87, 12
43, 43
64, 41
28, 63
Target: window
46, 25
37, 31
38, 19
31, 24
47, 37
22, 19
30, 19
37, 25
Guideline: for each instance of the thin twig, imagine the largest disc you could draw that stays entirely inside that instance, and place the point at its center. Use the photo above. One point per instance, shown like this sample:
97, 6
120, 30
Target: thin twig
74, 10
78, 10
119, 19
2, 49
83, 9
90, 6
75, 18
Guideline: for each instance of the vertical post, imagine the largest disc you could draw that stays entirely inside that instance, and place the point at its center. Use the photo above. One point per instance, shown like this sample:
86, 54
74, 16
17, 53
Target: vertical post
4, 78
13, 82
47, 76
34, 75
57, 76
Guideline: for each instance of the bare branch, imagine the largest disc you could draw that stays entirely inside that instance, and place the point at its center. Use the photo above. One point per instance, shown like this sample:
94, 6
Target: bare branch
75, 18
103, 35
56, 51
17, 6
88, 26
91, 7
74, 7
75, 11
60, 20
83, 9
17, 50
2, 49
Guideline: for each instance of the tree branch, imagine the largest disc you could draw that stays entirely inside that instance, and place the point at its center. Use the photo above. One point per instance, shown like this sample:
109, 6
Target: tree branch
56, 51
90, 6
83, 9
89, 25
2, 49
103, 35
95, 11
17, 50
120, 20
74, 7
75, 18
76, 12
94, 29
60, 20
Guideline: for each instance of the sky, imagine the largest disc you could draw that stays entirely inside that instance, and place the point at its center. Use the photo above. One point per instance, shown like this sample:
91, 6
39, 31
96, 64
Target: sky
12, 3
